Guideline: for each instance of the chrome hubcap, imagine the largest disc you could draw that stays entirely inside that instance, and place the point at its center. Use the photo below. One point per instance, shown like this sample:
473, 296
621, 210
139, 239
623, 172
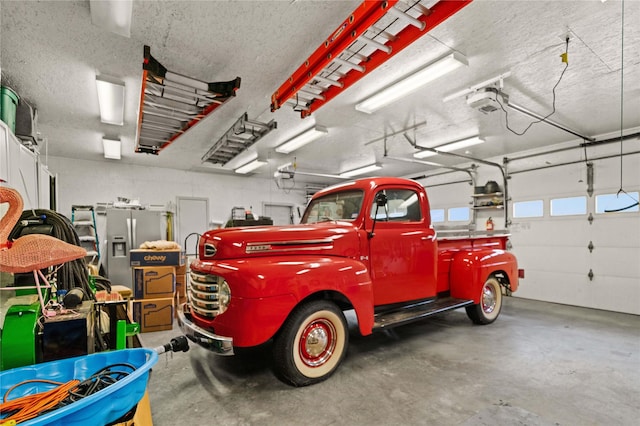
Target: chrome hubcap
488, 299
317, 343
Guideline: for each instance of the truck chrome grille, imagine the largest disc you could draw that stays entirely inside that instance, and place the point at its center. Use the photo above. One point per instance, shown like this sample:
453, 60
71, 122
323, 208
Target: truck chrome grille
204, 294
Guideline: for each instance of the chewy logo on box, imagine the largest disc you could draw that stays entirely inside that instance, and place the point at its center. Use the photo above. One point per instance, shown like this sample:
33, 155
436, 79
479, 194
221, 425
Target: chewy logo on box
141, 257
154, 282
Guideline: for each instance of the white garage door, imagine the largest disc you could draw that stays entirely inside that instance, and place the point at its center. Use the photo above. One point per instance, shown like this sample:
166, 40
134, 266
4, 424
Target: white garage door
554, 249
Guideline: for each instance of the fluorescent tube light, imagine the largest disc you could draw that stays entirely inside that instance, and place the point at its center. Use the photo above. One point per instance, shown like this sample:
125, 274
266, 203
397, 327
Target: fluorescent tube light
361, 170
464, 143
302, 139
424, 154
111, 101
112, 15
411, 83
111, 148
250, 166
451, 146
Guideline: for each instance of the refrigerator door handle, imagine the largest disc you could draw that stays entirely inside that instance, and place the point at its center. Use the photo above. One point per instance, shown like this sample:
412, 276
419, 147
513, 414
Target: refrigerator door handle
135, 243
129, 238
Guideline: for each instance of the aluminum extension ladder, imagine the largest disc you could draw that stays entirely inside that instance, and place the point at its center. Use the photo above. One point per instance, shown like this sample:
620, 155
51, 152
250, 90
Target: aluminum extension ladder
172, 103
85, 226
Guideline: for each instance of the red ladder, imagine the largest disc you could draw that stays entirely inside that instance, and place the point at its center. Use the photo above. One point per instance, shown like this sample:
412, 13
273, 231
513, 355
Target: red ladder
171, 103
372, 34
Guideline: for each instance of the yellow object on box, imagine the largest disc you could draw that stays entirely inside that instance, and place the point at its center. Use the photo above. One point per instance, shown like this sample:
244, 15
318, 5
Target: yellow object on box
153, 314
151, 282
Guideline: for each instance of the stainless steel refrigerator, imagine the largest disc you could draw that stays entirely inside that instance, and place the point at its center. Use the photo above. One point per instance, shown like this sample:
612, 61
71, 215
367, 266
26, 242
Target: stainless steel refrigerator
126, 230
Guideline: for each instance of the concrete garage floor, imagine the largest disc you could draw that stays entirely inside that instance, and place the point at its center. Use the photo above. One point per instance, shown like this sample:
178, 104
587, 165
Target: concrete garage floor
538, 364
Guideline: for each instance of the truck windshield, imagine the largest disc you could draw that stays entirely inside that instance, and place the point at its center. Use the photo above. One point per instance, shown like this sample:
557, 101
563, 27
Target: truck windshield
340, 206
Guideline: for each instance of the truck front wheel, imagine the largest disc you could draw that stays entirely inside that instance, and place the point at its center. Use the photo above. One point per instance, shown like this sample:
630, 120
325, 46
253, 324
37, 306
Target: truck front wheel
490, 304
311, 344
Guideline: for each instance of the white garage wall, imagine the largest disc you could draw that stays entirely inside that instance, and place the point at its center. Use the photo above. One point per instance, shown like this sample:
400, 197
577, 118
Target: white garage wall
92, 182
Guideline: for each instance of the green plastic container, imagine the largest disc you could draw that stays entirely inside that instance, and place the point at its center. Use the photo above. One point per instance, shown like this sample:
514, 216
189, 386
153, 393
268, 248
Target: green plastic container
8, 104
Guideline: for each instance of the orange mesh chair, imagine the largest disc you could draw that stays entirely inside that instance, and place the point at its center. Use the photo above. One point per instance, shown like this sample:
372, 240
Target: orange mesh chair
30, 253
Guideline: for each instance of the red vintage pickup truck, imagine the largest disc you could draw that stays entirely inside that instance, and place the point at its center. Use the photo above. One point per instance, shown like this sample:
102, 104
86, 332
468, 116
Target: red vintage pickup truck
367, 246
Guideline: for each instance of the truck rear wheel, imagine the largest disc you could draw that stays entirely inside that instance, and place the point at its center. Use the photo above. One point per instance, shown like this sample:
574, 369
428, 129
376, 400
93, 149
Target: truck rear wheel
311, 344
490, 304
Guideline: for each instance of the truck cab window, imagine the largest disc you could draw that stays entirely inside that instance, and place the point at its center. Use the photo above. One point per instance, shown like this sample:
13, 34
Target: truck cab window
402, 206
341, 206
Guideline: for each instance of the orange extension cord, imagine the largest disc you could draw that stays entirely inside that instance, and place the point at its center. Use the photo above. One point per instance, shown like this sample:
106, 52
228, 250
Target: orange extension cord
30, 406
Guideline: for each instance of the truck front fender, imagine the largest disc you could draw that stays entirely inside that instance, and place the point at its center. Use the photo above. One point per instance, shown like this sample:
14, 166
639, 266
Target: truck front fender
264, 291
470, 269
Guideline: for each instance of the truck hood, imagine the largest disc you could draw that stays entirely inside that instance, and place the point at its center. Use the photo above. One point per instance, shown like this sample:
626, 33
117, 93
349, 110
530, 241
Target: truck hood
335, 238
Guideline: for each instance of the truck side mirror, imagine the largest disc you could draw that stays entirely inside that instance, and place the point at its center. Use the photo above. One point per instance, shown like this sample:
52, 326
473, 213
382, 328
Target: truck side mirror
381, 199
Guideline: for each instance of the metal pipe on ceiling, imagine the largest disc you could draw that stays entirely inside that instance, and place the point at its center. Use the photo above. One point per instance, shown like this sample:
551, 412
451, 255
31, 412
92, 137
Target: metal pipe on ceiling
544, 119
582, 145
415, 126
488, 163
568, 163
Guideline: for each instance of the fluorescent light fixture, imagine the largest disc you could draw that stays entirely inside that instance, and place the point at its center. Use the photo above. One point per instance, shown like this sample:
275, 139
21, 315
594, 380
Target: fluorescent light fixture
413, 82
111, 100
250, 166
302, 139
361, 170
451, 146
111, 148
464, 143
424, 154
112, 15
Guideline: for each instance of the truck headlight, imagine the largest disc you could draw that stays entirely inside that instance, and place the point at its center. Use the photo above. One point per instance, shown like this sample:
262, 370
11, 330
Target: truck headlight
224, 296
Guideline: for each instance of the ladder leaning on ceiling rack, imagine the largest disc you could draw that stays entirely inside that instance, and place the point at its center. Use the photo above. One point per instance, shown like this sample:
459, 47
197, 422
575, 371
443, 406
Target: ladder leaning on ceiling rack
171, 103
373, 33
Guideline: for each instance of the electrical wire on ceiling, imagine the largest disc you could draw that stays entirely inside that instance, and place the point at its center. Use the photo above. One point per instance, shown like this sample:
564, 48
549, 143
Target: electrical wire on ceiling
621, 190
565, 59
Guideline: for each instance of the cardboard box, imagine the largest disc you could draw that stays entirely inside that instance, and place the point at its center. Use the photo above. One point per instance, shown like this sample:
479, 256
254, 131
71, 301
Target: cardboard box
181, 284
143, 257
153, 314
182, 269
154, 282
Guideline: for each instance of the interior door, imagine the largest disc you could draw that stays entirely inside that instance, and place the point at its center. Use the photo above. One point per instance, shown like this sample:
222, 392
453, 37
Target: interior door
402, 252
281, 214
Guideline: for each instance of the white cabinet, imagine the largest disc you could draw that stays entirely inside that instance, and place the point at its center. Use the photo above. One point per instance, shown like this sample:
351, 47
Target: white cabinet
19, 167
4, 153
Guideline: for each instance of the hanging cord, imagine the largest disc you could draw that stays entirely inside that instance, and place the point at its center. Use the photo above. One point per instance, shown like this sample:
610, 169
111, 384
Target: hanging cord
565, 59
621, 190
621, 92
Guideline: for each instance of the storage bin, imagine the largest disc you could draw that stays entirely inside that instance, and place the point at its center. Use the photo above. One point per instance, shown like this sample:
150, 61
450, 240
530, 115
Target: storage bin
8, 105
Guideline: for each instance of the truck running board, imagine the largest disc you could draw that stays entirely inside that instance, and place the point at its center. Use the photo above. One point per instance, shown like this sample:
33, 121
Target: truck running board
416, 312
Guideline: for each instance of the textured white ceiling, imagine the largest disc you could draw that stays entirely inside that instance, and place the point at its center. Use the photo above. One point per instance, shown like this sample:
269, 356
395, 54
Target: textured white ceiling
51, 53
